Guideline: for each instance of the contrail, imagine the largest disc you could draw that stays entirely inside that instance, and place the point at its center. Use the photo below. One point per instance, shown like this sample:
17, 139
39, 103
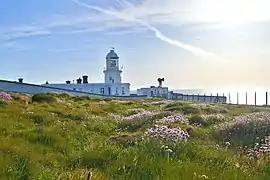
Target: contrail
158, 34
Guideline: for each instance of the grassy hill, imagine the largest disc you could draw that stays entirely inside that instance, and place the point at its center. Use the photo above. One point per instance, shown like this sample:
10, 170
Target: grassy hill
61, 137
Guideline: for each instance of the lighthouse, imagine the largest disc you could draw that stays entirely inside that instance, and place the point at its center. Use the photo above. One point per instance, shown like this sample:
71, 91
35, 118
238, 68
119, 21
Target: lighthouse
112, 72
112, 85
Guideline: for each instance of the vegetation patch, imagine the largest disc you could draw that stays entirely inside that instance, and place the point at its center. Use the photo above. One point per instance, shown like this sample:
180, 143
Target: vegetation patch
184, 108
64, 137
46, 98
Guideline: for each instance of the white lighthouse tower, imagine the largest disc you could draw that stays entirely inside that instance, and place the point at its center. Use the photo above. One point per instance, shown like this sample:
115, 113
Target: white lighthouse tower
112, 85
112, 72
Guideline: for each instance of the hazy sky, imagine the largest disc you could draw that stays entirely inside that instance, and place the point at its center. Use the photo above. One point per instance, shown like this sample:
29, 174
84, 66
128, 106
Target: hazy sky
191, 43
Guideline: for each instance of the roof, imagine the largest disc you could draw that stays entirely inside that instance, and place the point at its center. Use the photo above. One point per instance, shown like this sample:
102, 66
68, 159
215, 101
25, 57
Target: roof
112, 55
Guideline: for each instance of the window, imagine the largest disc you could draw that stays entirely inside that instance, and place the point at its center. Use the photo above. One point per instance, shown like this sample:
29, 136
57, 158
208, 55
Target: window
113, 63
123, 90
111, 79
116, 91
101, 90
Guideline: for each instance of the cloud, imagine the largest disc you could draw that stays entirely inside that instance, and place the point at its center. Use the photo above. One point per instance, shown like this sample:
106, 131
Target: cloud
158, 34
64, 25
146, 15
192, 13
15, 46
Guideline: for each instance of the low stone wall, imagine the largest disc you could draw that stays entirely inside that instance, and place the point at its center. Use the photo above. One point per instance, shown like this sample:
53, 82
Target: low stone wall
10, 86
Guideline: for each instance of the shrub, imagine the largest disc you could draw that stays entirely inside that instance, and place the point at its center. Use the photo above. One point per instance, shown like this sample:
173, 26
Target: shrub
164, 133
48, 98
137, 121
81, 98
209, 108
245, 129
173, 119
214, 118
198, 120
183, 108
174, 105
3, 103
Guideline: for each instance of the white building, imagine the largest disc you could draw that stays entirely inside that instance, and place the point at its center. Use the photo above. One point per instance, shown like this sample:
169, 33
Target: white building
164, 92
112, 85
153, 91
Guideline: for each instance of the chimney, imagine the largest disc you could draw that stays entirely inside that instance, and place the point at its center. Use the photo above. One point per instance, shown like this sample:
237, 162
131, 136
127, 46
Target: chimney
68, 82
20, 80
85, 79
79, 81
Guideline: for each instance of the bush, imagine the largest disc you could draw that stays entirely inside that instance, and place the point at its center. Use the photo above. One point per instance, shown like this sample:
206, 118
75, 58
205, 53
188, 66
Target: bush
245, 129
81, 98
187, 109
174, 105
183, 108
2, 103
48, 98
197, 119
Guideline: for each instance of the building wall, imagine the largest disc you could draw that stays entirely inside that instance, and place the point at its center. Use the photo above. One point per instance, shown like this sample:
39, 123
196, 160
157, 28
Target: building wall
164, 92
112, 76
154, 91
118, 89
10, 86
202, 98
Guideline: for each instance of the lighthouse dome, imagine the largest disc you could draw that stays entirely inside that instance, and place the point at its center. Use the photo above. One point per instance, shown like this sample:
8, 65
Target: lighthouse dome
112, 55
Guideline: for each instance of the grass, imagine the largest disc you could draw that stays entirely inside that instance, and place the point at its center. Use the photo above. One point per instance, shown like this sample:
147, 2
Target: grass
62, 137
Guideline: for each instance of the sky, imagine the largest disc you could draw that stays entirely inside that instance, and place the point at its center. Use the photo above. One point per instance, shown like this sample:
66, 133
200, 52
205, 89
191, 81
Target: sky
193, 44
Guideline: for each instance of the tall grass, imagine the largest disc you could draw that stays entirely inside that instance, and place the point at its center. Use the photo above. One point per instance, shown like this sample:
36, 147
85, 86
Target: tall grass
62, 137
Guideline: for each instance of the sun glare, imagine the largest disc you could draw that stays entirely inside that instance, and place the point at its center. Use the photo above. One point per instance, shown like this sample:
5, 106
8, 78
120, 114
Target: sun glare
233, 11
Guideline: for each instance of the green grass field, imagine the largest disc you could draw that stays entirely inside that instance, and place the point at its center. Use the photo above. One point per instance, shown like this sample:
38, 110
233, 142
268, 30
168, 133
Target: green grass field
54, 136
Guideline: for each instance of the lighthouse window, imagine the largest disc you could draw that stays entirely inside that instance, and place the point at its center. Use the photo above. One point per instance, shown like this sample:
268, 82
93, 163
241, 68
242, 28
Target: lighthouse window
116, 91
113, 63
123, 90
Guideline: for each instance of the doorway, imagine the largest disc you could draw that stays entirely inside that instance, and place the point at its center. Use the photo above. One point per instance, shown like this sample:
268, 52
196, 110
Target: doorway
109, 91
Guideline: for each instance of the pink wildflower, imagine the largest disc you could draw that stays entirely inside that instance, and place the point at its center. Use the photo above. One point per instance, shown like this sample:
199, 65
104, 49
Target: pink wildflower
5, 97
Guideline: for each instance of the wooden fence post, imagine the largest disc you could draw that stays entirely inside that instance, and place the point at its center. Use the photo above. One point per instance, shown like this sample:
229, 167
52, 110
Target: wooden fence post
237, 98
255, 99
246, 98
266, 94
